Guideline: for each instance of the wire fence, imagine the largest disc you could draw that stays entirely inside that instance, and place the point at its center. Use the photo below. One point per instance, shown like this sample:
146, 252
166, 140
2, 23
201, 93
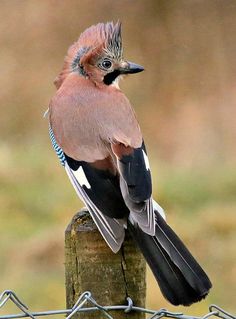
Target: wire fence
86, 303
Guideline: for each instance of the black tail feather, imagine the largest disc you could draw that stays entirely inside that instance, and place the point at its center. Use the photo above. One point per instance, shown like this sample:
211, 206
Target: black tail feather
181, 279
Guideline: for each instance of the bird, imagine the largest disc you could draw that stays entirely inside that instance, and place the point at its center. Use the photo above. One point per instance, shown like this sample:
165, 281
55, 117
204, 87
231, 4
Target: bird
96, 135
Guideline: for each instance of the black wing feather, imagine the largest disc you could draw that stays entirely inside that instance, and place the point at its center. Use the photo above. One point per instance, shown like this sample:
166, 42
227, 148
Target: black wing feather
105, 189
137, 176
136, 188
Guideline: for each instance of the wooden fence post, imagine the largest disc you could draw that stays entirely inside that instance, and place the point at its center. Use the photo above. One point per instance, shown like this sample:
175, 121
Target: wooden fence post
91, 265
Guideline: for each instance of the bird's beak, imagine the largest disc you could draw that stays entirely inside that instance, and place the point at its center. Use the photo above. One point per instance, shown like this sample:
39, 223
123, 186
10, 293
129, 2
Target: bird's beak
130, 67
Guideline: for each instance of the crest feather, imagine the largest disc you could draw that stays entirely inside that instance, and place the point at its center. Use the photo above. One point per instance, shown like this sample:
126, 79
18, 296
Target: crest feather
102, 35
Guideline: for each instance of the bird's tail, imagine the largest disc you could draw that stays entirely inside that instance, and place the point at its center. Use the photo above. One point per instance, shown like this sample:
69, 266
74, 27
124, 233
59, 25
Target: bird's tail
181, 279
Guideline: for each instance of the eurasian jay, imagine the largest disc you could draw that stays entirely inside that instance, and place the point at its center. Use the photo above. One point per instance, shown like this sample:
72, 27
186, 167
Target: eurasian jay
97, 137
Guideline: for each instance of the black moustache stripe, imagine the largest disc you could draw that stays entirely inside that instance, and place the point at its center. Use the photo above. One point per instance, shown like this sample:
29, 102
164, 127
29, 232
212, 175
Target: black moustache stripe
110, 77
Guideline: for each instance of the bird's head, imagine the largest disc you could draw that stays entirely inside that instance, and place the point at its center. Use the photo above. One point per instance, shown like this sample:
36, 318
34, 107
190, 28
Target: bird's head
98, 56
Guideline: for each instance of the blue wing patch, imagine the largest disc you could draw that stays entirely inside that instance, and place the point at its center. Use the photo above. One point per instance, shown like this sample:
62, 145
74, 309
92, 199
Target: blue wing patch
57, 148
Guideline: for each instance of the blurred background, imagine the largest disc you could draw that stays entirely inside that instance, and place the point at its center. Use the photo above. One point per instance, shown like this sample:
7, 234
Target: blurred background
185, 102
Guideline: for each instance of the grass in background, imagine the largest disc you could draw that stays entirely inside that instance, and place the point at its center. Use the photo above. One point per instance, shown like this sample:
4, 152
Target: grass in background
37, 202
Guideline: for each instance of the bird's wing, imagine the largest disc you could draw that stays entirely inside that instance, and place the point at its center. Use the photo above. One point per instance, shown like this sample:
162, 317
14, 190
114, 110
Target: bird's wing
136, 184
100, 196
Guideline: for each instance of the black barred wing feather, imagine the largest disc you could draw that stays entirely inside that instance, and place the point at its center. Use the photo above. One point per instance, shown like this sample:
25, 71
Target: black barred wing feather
56, 147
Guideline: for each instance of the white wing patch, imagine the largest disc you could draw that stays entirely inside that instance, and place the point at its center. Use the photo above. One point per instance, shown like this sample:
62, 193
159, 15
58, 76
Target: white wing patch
111, 229
146, 161
81, 178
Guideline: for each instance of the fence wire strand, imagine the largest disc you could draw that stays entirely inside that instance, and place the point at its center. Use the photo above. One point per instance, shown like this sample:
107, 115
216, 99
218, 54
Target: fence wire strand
86, 303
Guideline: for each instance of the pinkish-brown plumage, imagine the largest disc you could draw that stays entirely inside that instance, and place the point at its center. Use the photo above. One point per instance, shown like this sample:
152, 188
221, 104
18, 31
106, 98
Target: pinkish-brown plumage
86, 119
96, 38
85, 114
96, 135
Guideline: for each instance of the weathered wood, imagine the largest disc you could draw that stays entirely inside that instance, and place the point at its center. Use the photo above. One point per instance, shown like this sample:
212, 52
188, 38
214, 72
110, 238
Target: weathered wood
91, 265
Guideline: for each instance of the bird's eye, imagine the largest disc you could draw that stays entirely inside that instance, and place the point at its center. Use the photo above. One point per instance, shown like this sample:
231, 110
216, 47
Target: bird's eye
106, 64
